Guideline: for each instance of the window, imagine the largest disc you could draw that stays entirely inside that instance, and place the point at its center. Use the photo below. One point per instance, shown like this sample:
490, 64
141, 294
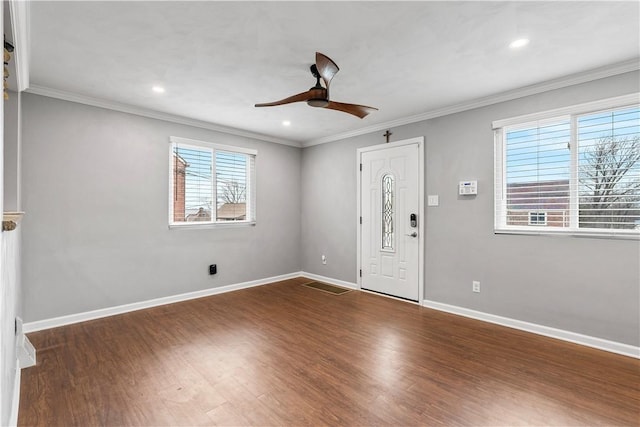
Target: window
537, 218
211, 184
574, 170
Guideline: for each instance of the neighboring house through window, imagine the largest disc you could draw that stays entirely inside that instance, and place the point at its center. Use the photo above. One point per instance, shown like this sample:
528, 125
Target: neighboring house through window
538, 218
573, 170
211, 183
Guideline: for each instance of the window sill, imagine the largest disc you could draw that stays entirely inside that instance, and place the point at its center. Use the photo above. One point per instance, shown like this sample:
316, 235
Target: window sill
198, 226
619, 235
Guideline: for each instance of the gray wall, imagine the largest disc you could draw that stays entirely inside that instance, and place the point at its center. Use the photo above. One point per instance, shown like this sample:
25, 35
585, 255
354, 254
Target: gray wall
95, 189
11, 169
585, 285
95, 234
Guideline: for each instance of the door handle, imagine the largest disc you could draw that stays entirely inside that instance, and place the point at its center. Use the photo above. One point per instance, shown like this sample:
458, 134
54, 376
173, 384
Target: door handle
414, 234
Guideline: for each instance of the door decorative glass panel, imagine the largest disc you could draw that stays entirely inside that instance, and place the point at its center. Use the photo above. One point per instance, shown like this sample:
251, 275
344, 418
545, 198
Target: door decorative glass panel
387, 211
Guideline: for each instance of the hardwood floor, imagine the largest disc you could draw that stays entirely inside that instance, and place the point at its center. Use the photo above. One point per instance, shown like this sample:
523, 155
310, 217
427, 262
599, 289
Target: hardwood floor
285, 354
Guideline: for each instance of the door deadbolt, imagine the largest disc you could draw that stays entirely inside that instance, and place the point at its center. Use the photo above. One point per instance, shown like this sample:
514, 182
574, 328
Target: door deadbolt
413, 220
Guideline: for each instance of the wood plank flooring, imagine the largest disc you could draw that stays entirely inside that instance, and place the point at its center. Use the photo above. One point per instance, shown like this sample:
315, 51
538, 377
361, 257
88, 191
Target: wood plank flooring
285, 354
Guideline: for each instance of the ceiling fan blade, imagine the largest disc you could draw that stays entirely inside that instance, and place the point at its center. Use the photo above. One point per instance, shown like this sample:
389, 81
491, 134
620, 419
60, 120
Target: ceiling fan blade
326, 68
304, 96
357, 110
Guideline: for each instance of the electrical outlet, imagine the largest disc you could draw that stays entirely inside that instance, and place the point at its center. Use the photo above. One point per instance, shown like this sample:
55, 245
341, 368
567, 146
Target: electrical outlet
475, 286
324, 260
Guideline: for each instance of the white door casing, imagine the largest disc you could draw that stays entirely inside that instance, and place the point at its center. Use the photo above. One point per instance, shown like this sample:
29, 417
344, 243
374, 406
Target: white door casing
390, 250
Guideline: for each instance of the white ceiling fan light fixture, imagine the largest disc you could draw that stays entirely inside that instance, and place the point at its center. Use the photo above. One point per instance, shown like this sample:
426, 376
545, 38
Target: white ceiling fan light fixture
286, 123
158, 89
519, 43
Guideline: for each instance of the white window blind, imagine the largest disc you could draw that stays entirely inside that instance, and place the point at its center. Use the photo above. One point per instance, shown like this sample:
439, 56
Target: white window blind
537, 173
211, 183
609, 169
577, 173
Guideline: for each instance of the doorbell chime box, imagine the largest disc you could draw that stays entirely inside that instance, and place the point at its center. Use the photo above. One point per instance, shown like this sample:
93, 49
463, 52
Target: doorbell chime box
468, 188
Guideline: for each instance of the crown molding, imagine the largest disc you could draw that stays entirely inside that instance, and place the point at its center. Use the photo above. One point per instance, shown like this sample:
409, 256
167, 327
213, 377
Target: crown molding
585, 107
139, 111
574, 79
19, 11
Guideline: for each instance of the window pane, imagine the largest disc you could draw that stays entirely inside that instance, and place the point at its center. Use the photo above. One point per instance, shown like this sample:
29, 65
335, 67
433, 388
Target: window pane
211, 183
232, 186
537, 173
192, 184
387, 212
609, 169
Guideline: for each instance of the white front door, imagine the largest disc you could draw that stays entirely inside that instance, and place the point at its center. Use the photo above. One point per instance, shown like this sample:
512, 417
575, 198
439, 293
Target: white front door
391, 219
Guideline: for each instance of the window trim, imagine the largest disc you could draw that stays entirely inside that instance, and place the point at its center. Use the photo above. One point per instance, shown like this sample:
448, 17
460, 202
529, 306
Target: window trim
214, 146
535, 119
577, 109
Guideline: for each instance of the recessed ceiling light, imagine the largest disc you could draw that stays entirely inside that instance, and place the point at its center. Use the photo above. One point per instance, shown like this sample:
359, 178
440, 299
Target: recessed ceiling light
158, 89
519, 43
286, 123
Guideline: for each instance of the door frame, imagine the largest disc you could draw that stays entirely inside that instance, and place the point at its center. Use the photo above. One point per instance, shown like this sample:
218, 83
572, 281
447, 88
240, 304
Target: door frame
421, 218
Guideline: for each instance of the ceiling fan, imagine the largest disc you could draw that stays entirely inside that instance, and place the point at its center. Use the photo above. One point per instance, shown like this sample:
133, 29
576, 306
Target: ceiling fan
318, 96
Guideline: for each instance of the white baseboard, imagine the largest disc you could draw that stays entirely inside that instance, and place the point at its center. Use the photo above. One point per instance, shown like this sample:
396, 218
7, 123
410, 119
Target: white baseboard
329, 280
15, 404
26, 353
111, 311
586, 340
599, 343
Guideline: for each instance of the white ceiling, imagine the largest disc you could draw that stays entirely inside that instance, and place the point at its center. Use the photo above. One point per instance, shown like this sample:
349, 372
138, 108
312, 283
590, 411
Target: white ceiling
217, 59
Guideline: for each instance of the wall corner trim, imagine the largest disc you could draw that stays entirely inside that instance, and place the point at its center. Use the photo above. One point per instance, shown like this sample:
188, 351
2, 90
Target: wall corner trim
19, 12
26, 353
15, 404
26, 358
55, 322
573, 337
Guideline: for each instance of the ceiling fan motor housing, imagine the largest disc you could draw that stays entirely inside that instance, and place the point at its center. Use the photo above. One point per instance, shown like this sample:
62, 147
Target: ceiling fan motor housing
318, 102
318, 96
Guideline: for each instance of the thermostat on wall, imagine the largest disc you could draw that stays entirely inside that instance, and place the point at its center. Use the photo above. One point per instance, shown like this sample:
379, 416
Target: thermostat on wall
468, 188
